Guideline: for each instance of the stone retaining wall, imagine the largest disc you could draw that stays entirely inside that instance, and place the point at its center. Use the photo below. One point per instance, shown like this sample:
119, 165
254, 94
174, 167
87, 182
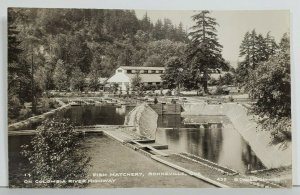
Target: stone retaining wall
36, 119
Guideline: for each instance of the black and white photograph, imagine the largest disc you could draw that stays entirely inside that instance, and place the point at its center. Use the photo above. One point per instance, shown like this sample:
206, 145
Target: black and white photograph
117, 98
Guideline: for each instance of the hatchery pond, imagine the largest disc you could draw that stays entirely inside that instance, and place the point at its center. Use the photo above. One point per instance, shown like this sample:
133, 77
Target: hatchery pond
224, 146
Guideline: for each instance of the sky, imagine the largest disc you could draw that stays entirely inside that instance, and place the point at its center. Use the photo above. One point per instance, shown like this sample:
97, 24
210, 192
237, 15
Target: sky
232, 25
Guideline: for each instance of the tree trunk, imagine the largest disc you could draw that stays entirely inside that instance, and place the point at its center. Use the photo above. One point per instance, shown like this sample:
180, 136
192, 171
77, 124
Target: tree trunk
33, 101
204, 84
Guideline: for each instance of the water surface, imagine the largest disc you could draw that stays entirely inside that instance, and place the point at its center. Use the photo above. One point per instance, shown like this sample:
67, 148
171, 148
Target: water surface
224, 146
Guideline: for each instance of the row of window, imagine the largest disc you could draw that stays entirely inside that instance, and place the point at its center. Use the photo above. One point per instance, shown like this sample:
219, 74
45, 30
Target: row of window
143, 71
148, 83
152, 83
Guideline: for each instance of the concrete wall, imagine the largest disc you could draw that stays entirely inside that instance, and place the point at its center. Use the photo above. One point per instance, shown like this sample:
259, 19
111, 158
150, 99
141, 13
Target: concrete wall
145, 120
272, 156
26, 124
166, 108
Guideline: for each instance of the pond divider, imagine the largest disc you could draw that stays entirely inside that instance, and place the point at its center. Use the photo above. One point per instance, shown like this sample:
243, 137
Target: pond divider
205, 162
189, 172
36, 119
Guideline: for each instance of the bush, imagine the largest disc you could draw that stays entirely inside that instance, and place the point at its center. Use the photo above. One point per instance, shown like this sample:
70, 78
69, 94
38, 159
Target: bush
53, 104
219, 91
56, 154
213, 82
155, 100
46, 104
280, 129
169, 93
25, 113
14, 107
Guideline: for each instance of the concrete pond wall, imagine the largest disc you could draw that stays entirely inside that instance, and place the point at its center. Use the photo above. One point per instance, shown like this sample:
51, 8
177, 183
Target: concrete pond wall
25, 124
272, 156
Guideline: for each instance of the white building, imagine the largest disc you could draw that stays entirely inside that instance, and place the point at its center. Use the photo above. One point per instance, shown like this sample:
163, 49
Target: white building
124, 74
216, 73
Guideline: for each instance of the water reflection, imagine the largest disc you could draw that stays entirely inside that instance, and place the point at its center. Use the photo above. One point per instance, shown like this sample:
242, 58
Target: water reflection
171, 120
99, 114
224, 146
219, 143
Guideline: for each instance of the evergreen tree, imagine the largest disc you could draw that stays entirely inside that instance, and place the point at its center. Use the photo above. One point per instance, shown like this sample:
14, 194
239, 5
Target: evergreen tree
77, 81
136, 82
181, 34
158, 33
254, 49
60, 76
146, 24
95, 72
204, 51
244, 66
174, 74
271, 45
19, 89
271, 84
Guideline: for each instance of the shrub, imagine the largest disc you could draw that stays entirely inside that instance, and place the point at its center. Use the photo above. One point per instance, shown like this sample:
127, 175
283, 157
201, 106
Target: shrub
25, 113
53, 104
280, 129
213, 82
219, 91
169, 93
155, 100
56, 154
14, 107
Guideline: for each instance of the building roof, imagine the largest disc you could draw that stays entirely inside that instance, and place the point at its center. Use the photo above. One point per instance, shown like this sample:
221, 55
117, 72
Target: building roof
119, 78
147, 78
102, 80
141, 68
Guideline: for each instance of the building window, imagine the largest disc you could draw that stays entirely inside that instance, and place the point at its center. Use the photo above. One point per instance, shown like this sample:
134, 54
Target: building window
152, 71
160, 71
157, 83
129, 71
120, 70
145, 71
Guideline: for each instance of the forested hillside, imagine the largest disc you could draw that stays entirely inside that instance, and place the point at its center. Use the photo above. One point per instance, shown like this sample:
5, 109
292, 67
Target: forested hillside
71, 44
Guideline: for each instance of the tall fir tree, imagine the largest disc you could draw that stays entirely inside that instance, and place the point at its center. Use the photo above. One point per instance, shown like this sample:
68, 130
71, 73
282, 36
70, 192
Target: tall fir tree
204, 51
254, 49
18, 69
271, 45
60, 76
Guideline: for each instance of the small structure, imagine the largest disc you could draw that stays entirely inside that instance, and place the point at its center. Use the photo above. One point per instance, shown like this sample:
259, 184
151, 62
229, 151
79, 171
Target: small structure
144, 118
217, 73
124, 75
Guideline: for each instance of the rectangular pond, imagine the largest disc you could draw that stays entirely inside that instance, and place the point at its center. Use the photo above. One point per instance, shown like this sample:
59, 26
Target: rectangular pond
224, 145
